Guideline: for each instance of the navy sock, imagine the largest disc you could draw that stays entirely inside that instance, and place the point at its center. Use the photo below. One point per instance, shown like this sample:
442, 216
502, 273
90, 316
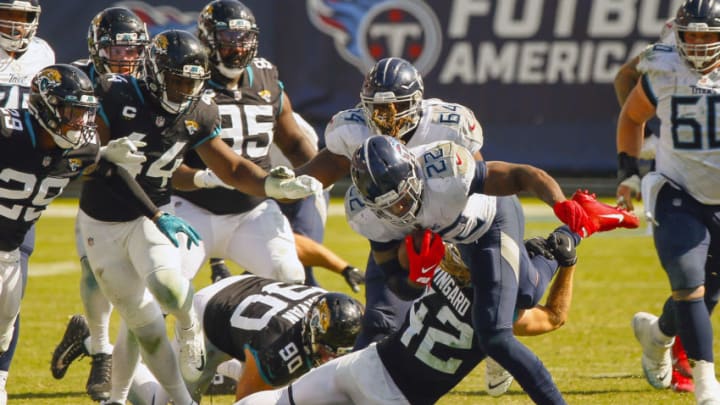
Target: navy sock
668, 319
695, 329
524, 365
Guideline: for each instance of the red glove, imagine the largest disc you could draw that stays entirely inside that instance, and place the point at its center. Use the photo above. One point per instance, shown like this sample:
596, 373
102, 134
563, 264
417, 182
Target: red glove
572, 213
424, 263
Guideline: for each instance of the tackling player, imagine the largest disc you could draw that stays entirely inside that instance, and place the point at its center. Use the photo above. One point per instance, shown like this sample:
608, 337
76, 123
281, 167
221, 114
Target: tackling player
141, 274
435, 348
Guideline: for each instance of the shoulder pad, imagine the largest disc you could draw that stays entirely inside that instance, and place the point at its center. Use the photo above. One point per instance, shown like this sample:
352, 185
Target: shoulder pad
444, 159
262, 63
353, 116
659, 58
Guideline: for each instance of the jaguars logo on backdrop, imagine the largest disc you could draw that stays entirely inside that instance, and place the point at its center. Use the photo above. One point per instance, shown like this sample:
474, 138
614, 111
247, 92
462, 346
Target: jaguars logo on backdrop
366, 31
161, 18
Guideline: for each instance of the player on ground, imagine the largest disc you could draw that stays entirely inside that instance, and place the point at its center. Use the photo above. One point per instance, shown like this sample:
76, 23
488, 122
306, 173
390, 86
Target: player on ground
395, 192
392, 104
415, 364
141, 272
275, 331
681, 198
22, 55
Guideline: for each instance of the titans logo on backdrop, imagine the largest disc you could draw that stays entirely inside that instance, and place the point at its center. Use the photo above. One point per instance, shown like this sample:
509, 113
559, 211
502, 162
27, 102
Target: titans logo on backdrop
688, 108
368, 30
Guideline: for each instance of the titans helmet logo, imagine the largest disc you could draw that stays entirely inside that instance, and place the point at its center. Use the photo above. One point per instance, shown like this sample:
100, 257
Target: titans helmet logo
366, 31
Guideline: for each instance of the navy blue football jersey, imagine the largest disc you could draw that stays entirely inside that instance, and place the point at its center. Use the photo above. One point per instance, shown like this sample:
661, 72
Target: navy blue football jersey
30, 178
130, 110
249, 115
266, 317
436, 342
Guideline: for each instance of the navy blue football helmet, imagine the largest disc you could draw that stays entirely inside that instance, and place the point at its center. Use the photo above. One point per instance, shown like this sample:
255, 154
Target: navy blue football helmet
176, 69
386, 174
228, 29
330, 327
19, 23
391, 96
699, 16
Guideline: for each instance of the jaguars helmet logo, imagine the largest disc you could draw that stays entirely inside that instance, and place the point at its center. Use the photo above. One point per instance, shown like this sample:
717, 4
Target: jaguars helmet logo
49, 79
320, 318
161, 44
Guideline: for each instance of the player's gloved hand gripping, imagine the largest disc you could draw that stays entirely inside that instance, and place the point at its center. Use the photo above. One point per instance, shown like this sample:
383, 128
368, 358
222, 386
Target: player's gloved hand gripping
123, 151
424, 262
281, 183
170, 225
354, 277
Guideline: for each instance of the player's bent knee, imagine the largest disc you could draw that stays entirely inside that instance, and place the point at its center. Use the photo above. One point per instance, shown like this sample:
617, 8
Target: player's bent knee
170, 289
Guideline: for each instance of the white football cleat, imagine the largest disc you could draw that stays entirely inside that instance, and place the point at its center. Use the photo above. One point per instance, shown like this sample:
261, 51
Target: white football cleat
707, 388
192, 352
497, 379
656, 361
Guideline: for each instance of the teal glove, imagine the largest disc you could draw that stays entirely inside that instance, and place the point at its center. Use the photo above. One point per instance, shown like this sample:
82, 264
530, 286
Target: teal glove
170, 225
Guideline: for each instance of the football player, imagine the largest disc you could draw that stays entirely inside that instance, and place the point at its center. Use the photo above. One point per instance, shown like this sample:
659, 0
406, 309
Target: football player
681, 197
392, 104
413, 365
140, 273
255, 112
22, 55
117, 41
396, 191
625, 79
275, 331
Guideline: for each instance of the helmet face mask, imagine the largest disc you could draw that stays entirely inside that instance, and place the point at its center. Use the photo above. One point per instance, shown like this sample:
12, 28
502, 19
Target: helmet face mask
18, 24
228, 30
176, 69
697, 33
391, 97
63, 102
117, 41
331, 326
385, 173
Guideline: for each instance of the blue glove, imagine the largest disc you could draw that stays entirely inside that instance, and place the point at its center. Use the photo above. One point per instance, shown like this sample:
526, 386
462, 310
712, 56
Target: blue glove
170, 225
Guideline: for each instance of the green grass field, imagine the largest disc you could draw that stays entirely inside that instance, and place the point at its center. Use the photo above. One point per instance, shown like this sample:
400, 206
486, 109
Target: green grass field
594, 358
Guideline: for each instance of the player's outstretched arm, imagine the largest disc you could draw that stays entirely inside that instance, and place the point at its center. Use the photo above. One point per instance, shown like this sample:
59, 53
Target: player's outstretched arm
546, 318
326, 167
625, 79
250, 380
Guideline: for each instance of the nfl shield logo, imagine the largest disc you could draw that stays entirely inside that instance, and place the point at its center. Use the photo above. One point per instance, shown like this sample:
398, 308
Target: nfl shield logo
159, 120
46, 161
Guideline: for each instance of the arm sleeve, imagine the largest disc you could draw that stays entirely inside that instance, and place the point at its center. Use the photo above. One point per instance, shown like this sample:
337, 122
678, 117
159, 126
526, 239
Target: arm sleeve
478, 181
117, 178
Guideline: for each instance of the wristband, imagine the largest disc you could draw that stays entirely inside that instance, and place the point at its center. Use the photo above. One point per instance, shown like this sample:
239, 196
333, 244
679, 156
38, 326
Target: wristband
627, 166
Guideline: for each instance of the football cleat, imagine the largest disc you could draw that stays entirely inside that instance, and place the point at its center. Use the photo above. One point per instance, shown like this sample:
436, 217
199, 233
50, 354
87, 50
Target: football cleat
70, 347
680, 359
497, 379
218, 270
604, 216
656, 362
98, 382
680, 383
192, 352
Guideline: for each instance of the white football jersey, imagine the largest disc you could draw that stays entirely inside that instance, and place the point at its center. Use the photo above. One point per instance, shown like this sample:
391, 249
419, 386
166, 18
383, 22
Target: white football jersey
688, 106
447, 170
440, 121
17, 73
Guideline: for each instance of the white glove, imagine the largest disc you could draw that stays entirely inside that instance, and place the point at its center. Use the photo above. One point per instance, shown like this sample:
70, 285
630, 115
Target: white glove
208, 179
123, 151
648, 149
281, 183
